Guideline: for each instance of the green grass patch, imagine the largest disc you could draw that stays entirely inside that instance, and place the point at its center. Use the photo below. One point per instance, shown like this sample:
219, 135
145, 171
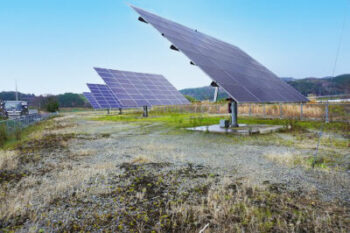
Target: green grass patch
197, 119
177, 120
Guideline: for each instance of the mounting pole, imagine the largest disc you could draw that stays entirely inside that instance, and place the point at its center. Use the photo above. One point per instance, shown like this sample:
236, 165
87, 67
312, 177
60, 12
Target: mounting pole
234, 112
145, 111
16, 90
216, 93
120, 111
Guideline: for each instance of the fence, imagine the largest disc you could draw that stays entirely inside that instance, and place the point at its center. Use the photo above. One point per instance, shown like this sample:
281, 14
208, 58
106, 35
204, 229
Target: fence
12, 125
328, 112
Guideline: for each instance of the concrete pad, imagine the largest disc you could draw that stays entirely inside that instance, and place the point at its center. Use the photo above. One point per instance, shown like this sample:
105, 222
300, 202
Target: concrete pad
243, 129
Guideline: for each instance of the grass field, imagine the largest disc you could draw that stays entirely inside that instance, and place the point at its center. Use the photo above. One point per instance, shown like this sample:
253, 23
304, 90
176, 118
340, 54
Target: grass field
84, 172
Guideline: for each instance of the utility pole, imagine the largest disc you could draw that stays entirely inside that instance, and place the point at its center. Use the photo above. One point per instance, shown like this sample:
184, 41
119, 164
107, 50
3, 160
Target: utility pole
16, 90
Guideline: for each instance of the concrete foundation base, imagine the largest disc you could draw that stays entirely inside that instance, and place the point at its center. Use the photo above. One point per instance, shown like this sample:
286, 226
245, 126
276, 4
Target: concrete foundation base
243, 129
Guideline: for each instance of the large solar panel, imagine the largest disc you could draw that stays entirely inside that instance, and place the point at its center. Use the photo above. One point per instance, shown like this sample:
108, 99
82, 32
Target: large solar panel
242, 77
104, 96
92, 100
139, 89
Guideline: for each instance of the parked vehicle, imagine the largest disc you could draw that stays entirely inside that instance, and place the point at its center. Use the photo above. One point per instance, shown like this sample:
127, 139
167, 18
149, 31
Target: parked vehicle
16, 108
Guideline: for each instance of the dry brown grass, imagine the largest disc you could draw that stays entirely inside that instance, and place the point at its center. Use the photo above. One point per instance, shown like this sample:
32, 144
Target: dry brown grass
8, 160
235, 208
141, 159
310, 111
82, 152
288, 110
287, 158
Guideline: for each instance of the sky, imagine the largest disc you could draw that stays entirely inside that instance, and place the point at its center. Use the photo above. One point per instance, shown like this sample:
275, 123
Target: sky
51, 46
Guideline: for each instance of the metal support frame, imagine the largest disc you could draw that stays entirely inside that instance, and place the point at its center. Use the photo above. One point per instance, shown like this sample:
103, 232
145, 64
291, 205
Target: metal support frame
264, 110
301, 111
281, 111
172, 47
327, 113
145, 111
234, 113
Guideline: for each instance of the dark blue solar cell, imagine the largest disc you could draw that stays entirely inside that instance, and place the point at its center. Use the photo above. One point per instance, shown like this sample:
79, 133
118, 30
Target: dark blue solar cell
242, 77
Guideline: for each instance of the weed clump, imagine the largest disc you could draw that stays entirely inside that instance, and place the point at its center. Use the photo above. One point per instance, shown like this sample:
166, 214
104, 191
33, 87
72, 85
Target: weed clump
151, 197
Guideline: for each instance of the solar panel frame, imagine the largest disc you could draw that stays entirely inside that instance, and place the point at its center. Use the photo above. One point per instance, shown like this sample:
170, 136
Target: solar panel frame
91, 99
104, 96
134, 89
241, 76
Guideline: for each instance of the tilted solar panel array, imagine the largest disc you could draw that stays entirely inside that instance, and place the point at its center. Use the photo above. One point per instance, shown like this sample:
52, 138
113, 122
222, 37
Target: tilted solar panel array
92, 100
104, 96
139, 89
242, 77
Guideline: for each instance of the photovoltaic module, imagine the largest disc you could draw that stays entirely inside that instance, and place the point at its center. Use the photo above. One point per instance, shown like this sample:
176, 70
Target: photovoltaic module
242, 77
133, 89
104, 96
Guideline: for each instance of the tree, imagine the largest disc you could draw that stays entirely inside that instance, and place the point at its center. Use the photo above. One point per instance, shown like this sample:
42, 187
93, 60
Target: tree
50, 104
71, 100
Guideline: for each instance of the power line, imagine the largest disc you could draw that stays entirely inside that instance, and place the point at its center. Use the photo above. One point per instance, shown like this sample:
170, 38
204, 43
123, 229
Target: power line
340, 41
332, 77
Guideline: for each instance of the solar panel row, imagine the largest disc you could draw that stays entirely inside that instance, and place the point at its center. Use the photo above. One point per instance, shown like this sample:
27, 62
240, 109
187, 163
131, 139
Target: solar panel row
133, 89
242, 77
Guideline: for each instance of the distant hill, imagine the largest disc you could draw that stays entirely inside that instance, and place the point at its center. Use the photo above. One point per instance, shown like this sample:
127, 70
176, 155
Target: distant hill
316, 86
323, 86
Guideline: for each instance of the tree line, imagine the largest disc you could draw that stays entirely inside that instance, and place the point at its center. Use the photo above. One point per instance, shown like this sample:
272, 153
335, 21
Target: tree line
49, 103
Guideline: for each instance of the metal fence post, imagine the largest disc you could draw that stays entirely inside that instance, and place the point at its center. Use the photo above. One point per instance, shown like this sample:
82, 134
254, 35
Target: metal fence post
281, 112
301, 111
264, 110
326, 113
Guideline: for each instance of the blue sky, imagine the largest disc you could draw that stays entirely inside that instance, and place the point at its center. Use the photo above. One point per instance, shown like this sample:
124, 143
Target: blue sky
51, 46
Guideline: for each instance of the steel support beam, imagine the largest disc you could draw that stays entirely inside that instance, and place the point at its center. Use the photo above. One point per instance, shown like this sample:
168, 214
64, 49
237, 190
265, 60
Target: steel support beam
216, 93
145, 111
234, 113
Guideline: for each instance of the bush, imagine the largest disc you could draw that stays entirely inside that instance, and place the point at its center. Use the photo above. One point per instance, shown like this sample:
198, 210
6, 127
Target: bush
3, 135
51, 104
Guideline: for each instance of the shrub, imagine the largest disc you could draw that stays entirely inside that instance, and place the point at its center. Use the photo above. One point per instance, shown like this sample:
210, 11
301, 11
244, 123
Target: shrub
51, 104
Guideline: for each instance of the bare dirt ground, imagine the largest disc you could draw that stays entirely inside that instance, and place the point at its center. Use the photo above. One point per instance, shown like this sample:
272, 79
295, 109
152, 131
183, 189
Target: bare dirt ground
84, 175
